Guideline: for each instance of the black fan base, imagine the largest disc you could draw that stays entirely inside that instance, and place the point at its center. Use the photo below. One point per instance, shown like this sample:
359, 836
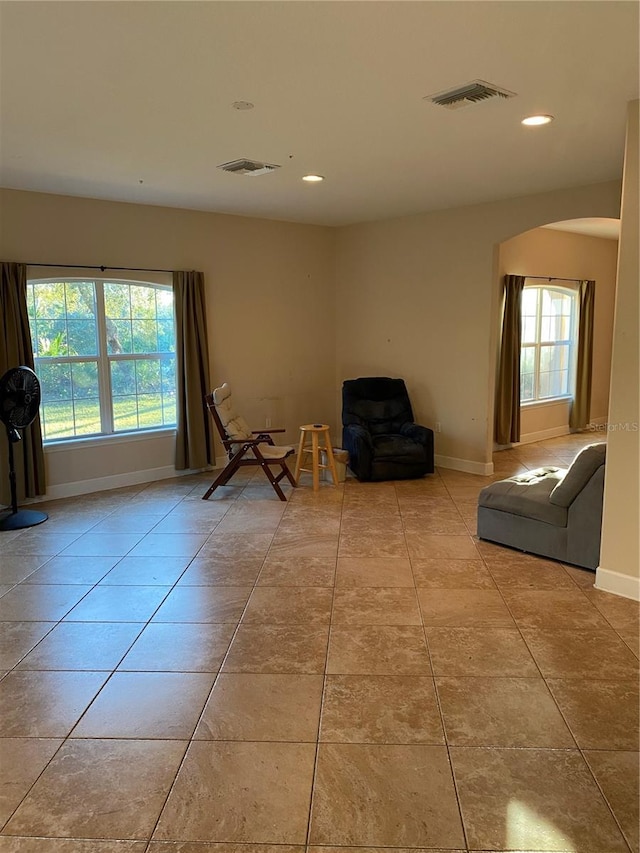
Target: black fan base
22, 518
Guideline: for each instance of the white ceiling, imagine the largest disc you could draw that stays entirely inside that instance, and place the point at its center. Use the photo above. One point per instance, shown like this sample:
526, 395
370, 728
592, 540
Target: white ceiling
131, 101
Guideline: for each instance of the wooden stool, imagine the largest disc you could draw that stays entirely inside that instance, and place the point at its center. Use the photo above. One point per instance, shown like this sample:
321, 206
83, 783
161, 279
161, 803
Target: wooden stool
315, 431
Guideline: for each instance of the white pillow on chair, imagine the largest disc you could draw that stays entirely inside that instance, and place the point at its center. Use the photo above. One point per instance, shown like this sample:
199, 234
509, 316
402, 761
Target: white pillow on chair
234, 424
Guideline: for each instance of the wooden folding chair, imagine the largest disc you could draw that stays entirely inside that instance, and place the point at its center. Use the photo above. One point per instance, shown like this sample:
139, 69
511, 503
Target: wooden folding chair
245, 446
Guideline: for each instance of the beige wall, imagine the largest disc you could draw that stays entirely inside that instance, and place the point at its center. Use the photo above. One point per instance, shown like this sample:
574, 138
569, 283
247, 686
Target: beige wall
619, 569
270, 301
418, 297
546, 252
294, 309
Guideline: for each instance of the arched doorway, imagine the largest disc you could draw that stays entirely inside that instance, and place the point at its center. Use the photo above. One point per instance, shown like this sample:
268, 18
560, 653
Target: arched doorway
557, 254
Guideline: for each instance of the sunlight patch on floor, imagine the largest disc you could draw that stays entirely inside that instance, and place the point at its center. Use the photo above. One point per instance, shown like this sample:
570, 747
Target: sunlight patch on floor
527, 830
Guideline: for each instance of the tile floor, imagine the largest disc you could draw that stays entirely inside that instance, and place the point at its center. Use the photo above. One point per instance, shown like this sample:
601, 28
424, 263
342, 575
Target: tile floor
349, 669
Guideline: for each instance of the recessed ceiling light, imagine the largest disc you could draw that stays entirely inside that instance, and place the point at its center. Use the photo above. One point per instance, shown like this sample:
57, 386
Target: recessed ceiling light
535, 121
313, 179
242, 105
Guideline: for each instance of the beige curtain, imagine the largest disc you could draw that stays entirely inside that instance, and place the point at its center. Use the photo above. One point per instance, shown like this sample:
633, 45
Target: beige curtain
15, 350
581, 406
194, 442
507, 418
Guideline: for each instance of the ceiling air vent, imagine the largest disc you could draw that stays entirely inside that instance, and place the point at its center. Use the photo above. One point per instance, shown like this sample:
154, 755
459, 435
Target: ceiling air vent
248, 167
470, 93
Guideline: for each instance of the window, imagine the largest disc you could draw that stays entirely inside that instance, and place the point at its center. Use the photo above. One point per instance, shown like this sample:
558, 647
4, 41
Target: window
549, 331
104, 352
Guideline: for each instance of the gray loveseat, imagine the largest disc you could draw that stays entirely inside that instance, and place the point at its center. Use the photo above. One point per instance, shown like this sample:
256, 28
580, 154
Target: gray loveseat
553, 512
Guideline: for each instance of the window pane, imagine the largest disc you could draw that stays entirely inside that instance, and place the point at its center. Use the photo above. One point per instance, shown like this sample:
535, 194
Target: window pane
123, 378
144, 334
555, 328
562, 382
554, 357
143, 393
169, 410
529, 327
125, 413
164, 302
553, 383
81, 299
143, 302
166, 336
546, 356
118, 336
543, 385
149, 410
149, 385
87, 416
62, 318
57, 420
55, 381
123, 389
49, 338
148, 376
70, 399
117, 304
527, 359
31, 303
168, 370
168, 366
554, 302
82, 337
84, 379
49, 300
529, 310
556, 314
526, 387
564, 328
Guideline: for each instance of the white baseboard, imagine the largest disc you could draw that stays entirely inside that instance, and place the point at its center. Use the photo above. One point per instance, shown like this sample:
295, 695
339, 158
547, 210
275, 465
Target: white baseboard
114, 481
468, 465
625, 585
553, 432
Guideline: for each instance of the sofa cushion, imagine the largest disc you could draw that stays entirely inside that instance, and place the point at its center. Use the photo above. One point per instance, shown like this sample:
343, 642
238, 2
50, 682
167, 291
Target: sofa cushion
581, 470
527, 495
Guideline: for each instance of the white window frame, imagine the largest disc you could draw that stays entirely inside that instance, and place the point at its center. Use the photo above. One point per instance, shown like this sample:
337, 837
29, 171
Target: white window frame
103, 358
565, 288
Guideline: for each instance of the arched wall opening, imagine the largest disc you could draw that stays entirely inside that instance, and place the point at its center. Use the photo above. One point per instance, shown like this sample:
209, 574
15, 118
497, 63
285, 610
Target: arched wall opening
574, 249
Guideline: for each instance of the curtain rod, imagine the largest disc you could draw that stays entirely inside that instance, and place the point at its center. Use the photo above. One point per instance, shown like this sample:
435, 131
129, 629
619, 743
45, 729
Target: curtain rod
552, 278
101, 268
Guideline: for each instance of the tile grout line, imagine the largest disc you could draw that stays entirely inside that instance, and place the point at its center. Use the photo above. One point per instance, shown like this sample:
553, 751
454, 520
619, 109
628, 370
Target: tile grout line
191, 739
440, 712
314, 773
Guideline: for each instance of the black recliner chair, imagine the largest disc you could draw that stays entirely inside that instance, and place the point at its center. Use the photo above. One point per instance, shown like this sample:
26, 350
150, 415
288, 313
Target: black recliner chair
378, 431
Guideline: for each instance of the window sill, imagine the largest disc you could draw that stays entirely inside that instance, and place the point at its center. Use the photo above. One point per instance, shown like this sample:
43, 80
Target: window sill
550, 401
106, 440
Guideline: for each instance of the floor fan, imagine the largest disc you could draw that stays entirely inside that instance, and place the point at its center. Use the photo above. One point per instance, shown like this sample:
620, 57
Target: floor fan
19, 402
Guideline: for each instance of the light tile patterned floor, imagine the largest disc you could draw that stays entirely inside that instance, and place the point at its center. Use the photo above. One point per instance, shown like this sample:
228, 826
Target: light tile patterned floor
350, 669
